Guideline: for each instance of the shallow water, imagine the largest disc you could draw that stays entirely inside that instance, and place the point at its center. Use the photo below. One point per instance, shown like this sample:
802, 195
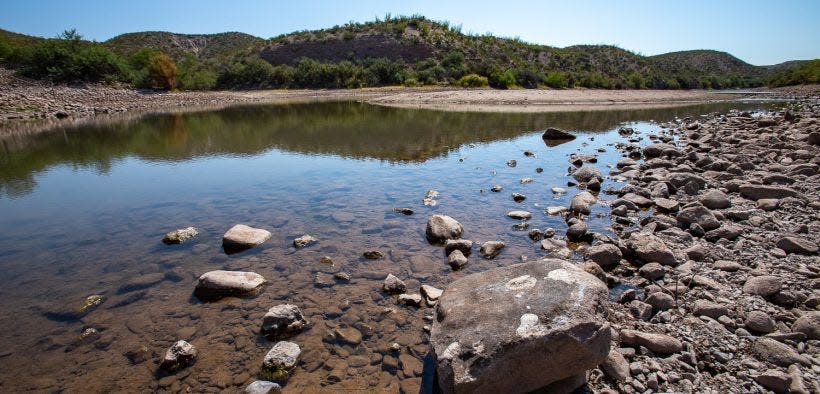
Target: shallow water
83, 210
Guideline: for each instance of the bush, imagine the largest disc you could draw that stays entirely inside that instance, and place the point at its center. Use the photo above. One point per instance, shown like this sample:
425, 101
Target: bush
70, 59
412, 82
502, 79
636, 81
805, 73
527, 78
162, 72
472, 81
555, 80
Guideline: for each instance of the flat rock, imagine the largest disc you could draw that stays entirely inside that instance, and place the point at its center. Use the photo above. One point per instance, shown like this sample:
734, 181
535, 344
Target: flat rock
605, 255
280, 360
759, 192
699, 215
650, 248
714, 199
440, 228
797, 245
410, 299
777, 353
349, 335
282, 321
520, 328
657, 343
217, 284
520, 215
667, 205
764, 286
431, 294
241, 237
263, 387
710, 309
179, 236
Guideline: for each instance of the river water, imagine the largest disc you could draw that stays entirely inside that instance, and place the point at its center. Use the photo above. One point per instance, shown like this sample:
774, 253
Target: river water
83, 210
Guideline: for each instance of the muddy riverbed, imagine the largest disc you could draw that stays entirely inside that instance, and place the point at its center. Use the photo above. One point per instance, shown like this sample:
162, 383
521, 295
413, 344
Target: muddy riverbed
84, 209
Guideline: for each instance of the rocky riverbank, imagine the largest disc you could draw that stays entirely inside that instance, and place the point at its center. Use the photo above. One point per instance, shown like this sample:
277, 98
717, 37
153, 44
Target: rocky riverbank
715, 277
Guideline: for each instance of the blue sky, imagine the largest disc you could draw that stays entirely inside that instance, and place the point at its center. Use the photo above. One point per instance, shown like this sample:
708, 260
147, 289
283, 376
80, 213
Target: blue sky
756, 31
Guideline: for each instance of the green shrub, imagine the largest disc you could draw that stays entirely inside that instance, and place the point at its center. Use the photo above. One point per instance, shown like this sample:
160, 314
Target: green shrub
555, 80
636, 81
805, 73
472, 81
412, 82
527, 78
70, 59
502, 79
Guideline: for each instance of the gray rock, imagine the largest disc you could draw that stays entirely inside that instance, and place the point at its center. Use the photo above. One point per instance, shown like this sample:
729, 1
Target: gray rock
180, 355
577, 231
760, 322
640, 310
241, 237
410, 299
774, 380
440, 228
667, 205
179, 236
758, 192
764, 286
545, 324
456, 259
282, 321
552, 211
777, 353
556, 134
556, 248
263, 387
373, 254
657, 150
558, 190
768, 204
490, 249
652, 271
699, 215
797, 245
403, 211
710, 309
431, 294
214, 285
581, 203
496, 188
649, 249
518, 197
393, 285
586, 174
303, 241
605, 255
520, 215
616, 366
808, 323
512, 163
715, 199
728, 266
280, 361
660, 301
465, 246
657, 343
348, 335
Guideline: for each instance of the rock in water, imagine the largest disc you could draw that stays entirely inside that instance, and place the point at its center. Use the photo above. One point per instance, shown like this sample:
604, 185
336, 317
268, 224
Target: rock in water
555, 136
180, 355
263, 387
242, 237
520, 328
214, 285
179, 236
440, 228
303, 241
520, 215
283, 320
490, 249
393, 285
280, 360
587, 173
464, 245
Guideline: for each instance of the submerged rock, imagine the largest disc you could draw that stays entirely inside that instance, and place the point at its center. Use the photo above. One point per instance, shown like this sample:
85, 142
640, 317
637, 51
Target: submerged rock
393, 285
214, 285
456, 259
490, 249
544, 326
283, 320
280, 360
440, 228
303, 241
179, 236
263, 387
242, 237
180, 355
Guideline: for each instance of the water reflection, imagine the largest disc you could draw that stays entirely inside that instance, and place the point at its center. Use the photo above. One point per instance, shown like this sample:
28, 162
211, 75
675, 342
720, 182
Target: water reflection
346, 129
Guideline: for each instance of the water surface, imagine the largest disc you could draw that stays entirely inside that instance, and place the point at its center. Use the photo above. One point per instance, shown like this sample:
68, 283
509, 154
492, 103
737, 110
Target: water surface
83, 210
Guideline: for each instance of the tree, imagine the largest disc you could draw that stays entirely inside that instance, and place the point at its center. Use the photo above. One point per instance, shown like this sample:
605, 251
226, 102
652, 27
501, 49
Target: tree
162, 72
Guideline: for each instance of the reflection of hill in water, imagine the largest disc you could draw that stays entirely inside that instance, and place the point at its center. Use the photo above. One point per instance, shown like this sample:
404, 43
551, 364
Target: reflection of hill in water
352, 130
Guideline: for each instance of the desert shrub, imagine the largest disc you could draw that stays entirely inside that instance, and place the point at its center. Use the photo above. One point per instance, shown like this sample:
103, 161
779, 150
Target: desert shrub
502, 79
636, 81
70, 59
555, 80
472, 81
527, 78
805, 73
162, 72
412, 82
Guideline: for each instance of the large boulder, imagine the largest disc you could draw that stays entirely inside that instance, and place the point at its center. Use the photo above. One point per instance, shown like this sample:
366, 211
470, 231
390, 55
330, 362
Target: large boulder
520, 328
659, 149
651, 249
581, 203
242, 237
586, 174
697, 214
797, 245
214, 285
440, 228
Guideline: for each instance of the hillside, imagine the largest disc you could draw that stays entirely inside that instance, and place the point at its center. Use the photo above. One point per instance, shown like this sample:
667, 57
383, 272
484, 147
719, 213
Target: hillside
200, 46
412, 51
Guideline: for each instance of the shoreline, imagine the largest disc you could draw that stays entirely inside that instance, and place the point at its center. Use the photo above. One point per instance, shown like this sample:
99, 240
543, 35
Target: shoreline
29, 107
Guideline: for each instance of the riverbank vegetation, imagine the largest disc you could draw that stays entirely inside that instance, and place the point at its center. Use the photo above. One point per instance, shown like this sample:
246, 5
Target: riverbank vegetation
410, 51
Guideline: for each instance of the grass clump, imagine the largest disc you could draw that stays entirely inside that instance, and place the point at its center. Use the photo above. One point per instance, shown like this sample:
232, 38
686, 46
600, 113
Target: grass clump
472, 81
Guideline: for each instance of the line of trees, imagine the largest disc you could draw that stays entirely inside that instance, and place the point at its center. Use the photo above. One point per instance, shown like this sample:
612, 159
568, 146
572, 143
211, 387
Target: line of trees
70, 59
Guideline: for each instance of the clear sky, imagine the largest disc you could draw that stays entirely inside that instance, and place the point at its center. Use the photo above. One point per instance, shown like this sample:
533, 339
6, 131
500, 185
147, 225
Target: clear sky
759, 32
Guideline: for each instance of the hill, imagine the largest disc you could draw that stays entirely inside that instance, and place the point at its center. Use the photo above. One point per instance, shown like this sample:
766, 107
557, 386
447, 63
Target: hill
411, 50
